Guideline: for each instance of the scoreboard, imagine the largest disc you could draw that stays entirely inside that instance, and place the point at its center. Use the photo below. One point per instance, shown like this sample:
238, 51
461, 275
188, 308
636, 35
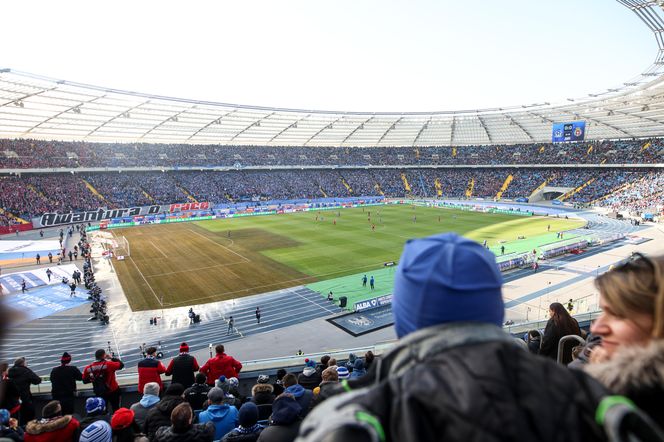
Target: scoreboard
573, 131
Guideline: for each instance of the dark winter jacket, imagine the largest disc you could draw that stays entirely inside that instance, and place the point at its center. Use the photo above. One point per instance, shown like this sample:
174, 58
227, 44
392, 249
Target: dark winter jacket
23, 377
552, 335
63, 381
309, 378
262, 394
302, 396
57, 429
11, 434
9, 394
237, 435
160, 415
284, 423
461, 382
196, 395
638, 373
182, 368
196, 433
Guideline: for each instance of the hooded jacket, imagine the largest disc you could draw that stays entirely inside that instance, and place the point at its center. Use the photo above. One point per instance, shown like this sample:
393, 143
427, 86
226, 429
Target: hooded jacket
309, 378
284, 423
160, 415
460, 382
224, 417
196, 395
142, 407
302, 396
262, 394
638, 373
57, 429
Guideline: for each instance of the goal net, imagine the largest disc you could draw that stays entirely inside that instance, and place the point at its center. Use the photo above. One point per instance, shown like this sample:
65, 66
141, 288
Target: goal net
120, 247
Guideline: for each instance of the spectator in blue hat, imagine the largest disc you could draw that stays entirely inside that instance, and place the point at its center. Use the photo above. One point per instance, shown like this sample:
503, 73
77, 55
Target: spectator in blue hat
9, 427
455, 375
95, 410
249, 428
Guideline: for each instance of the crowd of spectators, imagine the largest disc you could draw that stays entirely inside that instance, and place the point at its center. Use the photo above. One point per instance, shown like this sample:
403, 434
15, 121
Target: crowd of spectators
31, 195
48, 154
454, 373
645, 193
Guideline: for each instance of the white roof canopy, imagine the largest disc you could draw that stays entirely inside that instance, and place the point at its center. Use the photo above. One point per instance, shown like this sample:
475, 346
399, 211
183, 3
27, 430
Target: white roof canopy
37, 107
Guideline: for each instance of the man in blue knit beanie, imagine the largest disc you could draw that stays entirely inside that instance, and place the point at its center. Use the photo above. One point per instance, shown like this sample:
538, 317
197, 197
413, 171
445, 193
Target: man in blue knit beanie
454, 374
446, 278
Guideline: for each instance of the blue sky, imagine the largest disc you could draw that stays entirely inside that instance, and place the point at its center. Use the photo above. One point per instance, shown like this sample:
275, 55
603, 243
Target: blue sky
418, 55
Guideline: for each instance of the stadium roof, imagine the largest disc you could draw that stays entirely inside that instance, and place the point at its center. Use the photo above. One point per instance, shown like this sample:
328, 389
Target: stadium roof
37, 107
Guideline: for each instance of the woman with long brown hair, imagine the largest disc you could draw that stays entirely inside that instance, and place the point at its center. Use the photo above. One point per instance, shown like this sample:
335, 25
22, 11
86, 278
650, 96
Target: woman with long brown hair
560, 324
630, 359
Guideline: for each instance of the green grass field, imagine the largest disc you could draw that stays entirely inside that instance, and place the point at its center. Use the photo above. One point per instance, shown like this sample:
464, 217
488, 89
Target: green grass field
192, 263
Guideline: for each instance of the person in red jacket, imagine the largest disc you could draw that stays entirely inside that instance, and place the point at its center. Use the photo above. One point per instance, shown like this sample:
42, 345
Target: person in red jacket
53, 426
101, 373
150, 369
222, 364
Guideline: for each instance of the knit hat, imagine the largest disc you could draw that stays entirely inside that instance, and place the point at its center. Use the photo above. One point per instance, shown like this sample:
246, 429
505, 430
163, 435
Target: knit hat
221, 383
358, 364
66, 358
343, 372
446, 278
122, 419
248, 415
351, 358
174, 389
216, 394
263, 379
233, 382
98, 431
4, 416
95, 405
184, 348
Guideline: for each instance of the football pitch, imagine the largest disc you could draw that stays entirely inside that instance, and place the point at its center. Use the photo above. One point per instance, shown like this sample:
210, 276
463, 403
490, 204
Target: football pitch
198, 262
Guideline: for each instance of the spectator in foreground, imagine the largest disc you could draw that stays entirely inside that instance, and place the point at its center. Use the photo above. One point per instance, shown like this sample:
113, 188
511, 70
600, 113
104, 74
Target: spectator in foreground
150, 398
99, 431
183, 429
9, 428
301, 394
150, 369
330, 380
455, 375
278, 384
221, 365
101, 373
22, 377
95, 410
223, 416
560, 324
63, 383
183, 367
310, 377
249, 428
263, 392
160, 414
197, 394
630, 358
53, 426
125, 428
284, 422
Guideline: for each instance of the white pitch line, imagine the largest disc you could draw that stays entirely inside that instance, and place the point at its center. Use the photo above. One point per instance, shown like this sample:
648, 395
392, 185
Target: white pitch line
160, 251
146, 281
317, 305
221, 245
